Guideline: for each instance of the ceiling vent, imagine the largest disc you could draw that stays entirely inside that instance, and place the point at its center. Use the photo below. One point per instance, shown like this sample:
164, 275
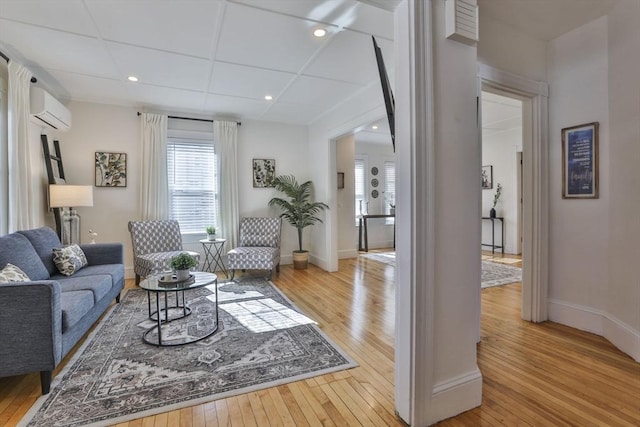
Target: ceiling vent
462, 21
48, 111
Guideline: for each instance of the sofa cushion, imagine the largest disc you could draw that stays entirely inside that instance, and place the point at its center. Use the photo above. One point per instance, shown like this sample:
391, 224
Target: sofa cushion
11, 273
74, 305
44, 239
99, 285
69, 259
17, 250
116, 271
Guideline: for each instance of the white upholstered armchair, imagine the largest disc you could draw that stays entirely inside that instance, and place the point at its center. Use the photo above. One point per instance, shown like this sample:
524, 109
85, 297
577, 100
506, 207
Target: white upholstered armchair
258, 246
154, 244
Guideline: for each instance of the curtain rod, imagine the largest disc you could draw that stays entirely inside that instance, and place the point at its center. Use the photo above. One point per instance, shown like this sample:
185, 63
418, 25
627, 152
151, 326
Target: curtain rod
192, 119
6, 58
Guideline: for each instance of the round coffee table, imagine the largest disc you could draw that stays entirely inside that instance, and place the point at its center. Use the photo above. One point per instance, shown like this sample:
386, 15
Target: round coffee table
154, 284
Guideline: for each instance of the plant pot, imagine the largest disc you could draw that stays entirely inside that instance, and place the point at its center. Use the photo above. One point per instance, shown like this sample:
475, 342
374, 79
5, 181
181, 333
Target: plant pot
300, 260
211, 237
182, 274
492, 213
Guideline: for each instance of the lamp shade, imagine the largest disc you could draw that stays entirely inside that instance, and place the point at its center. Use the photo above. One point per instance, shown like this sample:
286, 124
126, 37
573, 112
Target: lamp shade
64, 195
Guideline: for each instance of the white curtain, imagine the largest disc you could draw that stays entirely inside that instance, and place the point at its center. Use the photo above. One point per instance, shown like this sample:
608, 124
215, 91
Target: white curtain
225, 137
22, 213
154, 183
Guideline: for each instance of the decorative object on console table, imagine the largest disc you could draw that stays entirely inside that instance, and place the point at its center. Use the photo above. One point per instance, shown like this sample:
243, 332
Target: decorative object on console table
487, 177
299, 211
496, 198
264, 173
182, 263
111, 169
70, 196
211, 232
580, 161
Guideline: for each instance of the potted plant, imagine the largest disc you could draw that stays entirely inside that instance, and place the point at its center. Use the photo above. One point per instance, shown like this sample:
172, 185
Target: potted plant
211, 232
298, 210
181, 264
496, 197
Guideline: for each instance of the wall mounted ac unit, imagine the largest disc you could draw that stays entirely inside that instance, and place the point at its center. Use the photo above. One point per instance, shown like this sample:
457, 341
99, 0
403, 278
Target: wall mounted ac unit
46, 110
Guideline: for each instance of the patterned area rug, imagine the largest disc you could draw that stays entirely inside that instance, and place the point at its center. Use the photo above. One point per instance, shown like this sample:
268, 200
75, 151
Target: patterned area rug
493, 273
263, 340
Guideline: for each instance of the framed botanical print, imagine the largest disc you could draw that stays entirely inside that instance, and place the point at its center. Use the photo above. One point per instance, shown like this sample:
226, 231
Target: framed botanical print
264, 173
111, 169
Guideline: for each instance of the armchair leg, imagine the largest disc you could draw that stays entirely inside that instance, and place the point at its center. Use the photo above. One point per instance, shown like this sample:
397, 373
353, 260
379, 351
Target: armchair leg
278, 268
118, 298
137, 279
233, 274
45, 381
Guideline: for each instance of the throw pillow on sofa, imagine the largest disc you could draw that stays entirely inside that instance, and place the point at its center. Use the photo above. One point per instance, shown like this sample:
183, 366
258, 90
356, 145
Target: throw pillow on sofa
12, 273
69, 259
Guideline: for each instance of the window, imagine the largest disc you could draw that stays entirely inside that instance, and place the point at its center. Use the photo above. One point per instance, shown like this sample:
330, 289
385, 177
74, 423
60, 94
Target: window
389, 186
361, 187
193, 189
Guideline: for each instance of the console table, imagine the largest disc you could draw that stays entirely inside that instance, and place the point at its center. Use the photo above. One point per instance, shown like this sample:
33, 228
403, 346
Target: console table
363, 221
493, 233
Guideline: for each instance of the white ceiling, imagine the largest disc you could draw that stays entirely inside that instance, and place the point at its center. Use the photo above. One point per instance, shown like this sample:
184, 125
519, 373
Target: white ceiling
212, 57
500, 114
221, 57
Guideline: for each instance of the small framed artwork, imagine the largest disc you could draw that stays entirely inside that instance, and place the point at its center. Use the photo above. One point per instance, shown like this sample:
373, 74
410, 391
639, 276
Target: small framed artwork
487, 177
340, 179
264, 173
580, 161
111, 169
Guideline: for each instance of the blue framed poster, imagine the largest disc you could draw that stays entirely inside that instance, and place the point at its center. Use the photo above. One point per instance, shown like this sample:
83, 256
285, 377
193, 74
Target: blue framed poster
580, 161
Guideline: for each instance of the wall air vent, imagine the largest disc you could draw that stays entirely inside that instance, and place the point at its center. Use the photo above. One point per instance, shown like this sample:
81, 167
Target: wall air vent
462, 21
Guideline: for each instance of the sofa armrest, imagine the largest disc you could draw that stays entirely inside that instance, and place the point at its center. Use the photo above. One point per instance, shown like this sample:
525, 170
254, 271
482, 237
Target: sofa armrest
104, 253
30, 327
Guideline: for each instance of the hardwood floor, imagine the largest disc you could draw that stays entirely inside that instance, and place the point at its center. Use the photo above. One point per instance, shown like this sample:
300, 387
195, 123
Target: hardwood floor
534, 374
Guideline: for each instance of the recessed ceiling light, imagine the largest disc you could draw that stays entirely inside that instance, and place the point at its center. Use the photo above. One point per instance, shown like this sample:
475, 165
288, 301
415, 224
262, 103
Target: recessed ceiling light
319, 32
374, 127
268, 97
132, 78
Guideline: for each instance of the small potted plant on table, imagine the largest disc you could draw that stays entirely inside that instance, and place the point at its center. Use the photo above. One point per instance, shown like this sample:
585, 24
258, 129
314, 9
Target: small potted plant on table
496, 198
181, 264
211, 232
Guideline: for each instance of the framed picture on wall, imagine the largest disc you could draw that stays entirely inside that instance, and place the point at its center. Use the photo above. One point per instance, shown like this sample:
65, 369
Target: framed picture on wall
487, 177
580, 161
111, 169
264, 173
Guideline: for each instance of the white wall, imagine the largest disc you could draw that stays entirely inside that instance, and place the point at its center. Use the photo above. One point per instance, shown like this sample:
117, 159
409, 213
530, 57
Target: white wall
593, 282
287, 144
500, 150
347, 237
98, 127
579, 236
502, 46
622, 325
379, 231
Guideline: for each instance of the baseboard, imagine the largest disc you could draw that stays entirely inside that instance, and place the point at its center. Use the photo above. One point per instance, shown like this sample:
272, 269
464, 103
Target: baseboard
456, 395
347, 253
320, 262
598, 322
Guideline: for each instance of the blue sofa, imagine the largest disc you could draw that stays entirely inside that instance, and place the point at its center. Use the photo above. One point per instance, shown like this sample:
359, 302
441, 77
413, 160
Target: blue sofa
41, 320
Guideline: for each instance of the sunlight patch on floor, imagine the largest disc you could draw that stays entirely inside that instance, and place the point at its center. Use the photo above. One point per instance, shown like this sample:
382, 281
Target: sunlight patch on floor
265, 315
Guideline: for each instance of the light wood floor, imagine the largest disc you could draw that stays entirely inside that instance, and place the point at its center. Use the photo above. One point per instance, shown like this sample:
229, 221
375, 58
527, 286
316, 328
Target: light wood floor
534, 374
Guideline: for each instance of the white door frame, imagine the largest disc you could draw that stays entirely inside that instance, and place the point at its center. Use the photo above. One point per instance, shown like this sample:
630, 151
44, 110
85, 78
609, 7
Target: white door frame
535, 209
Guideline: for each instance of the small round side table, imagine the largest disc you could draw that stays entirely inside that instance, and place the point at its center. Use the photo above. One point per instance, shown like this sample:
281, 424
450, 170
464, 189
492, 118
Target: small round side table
213, 255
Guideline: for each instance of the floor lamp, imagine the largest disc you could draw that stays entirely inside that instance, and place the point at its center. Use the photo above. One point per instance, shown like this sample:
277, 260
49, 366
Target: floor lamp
70, 196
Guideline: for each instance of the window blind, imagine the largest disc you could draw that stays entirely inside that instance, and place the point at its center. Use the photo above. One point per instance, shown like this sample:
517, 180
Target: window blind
360, 190
389, 185
192, 184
